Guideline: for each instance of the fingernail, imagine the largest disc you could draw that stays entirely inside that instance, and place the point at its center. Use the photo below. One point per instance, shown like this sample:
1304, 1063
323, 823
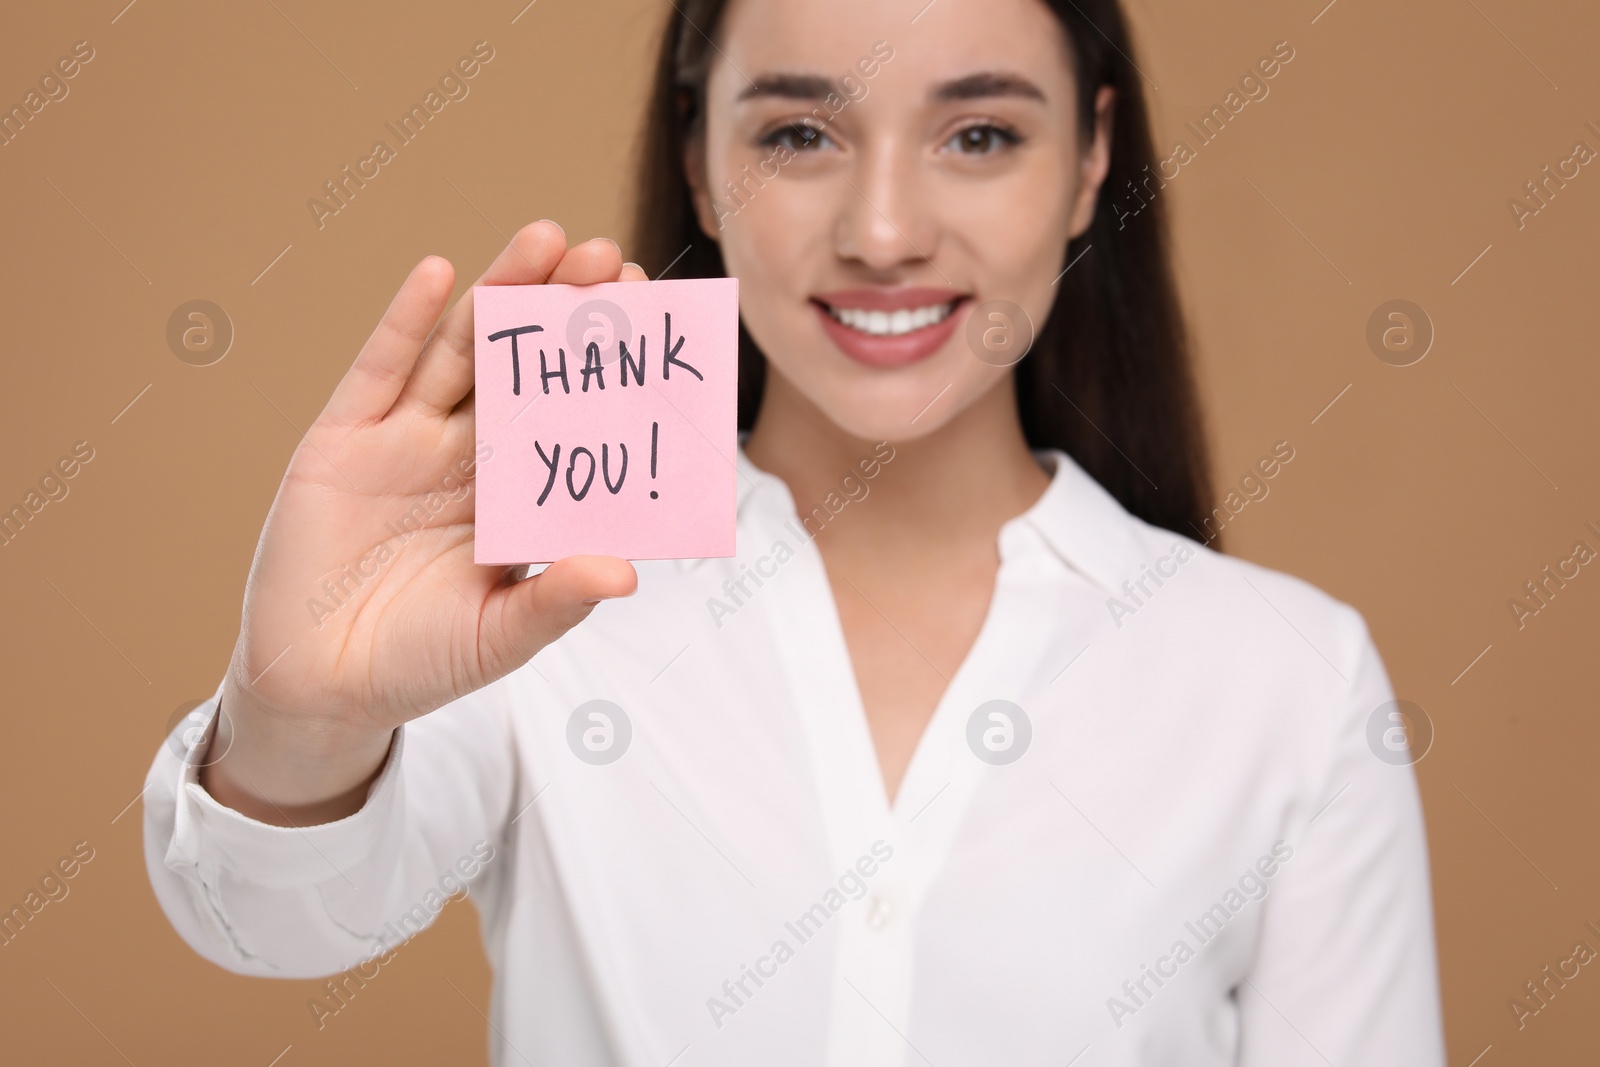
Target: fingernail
634, 265
556, 224
612, 243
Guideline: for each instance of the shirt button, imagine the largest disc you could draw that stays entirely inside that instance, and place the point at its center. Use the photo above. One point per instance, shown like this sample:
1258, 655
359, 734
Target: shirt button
879, 913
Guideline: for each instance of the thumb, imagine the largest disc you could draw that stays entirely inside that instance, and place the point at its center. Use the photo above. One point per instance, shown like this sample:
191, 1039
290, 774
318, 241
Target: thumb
536, 611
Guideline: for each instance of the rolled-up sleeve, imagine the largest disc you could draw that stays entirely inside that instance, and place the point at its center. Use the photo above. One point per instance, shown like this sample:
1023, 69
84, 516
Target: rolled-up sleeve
1345, 970
299, 902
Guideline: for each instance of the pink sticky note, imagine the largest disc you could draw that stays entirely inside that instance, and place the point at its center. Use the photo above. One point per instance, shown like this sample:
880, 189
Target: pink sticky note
609, 412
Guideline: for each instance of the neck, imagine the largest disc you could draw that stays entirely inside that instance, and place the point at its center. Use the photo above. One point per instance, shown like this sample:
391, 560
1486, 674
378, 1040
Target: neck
946, 489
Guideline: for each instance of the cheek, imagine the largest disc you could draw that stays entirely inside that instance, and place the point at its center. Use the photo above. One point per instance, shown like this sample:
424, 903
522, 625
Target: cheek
761, 247
1010, 231
771, 235
775, 239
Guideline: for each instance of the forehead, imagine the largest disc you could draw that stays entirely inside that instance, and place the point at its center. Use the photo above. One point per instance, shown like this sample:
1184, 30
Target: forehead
947, 40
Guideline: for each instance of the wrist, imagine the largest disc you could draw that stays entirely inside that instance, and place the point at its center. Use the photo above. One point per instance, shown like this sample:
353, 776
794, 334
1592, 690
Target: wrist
286, 771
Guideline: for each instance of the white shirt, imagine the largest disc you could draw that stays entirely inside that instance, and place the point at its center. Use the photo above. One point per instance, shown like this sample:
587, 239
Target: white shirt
1195, 856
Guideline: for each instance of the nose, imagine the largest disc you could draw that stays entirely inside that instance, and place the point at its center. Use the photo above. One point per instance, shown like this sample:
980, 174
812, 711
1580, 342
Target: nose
884, 217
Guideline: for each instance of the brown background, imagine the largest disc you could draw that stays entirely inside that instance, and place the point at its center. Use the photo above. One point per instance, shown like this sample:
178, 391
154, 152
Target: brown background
180, 166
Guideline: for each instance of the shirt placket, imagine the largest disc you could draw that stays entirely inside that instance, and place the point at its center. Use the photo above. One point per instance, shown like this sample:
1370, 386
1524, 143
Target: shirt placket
870, 1001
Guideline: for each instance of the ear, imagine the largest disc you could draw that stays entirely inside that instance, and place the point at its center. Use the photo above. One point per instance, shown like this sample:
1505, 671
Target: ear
1096, 162
694, 170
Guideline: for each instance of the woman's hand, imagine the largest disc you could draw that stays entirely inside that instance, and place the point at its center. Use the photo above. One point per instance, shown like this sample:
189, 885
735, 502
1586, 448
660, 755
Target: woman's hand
323, 674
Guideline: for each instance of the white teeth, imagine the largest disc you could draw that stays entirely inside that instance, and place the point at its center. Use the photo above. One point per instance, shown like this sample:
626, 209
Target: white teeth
891, 324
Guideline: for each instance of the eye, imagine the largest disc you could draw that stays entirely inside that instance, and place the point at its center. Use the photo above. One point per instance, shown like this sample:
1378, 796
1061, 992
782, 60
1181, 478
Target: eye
797, 137
985, 138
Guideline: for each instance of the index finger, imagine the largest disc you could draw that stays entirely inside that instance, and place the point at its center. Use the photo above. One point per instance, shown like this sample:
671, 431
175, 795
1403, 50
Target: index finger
443, 375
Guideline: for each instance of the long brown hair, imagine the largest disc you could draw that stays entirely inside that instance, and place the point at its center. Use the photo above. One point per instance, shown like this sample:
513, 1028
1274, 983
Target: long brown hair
1108, 380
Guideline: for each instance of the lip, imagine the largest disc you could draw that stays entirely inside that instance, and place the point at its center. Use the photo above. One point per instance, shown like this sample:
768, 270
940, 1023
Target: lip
886, 352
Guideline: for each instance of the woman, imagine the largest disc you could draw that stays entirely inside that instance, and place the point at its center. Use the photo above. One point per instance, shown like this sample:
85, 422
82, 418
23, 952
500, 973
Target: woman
992, 760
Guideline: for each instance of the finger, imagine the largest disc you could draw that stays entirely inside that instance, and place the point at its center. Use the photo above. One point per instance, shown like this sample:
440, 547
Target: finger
632, 272
599, 260
529, 258
444, 373
535, 611
387, 360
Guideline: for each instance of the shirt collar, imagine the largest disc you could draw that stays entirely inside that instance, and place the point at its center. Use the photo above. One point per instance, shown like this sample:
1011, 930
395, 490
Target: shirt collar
1075, 519
1080, 522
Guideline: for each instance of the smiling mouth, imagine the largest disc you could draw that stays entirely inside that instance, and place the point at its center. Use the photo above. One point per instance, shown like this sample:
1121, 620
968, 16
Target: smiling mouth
901, 321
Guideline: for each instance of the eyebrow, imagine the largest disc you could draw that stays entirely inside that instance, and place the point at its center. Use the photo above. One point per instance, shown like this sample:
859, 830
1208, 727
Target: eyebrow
987, 84
788, 87
971, 87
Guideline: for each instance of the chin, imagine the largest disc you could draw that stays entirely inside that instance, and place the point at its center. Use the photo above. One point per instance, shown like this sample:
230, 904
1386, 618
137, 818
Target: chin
901, 408
882, 425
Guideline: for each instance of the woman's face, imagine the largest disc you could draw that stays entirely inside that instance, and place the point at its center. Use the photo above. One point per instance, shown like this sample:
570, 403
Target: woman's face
873, 180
